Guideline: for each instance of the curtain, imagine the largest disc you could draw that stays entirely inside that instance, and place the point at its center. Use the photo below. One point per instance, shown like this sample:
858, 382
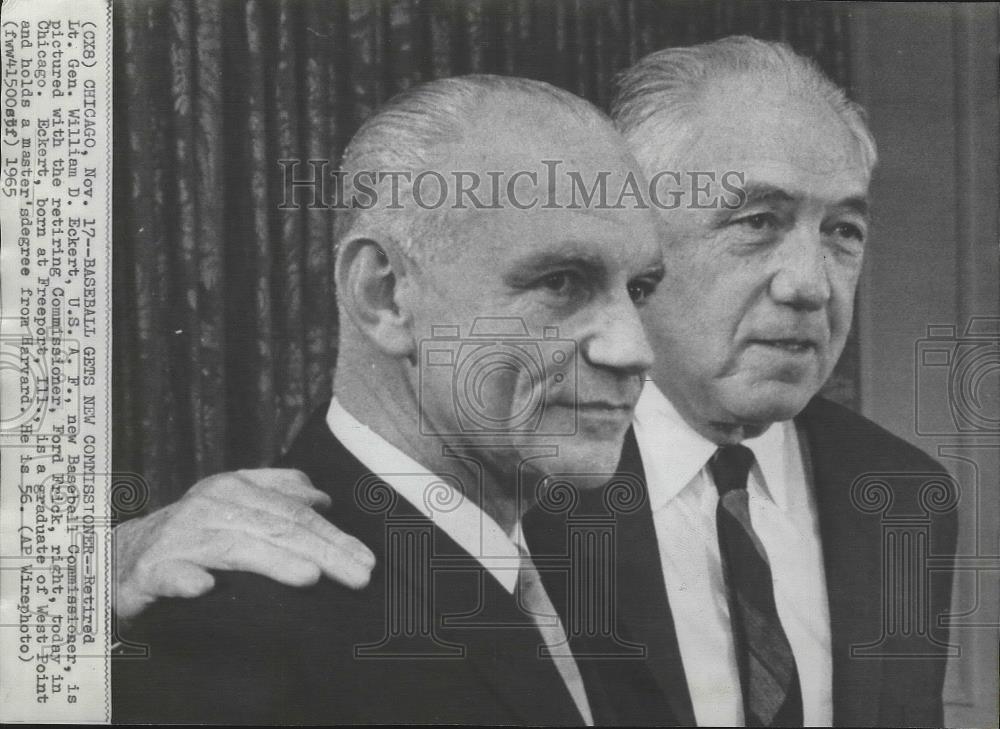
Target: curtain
224, 317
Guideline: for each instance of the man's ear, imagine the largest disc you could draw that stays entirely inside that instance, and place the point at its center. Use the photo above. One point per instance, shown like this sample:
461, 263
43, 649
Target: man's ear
371, 276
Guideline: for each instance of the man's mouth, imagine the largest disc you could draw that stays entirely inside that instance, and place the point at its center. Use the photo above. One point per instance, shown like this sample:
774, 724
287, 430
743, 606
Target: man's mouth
791, 345
599, 408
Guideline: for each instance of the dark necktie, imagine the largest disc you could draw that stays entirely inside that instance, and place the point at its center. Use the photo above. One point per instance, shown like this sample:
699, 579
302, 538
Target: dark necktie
768, 676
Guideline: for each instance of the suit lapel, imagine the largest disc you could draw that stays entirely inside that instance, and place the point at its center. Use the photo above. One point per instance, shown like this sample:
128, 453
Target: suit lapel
852, 553
469, 607
644, 605
643, 611
502, 645
852, 549
534, 690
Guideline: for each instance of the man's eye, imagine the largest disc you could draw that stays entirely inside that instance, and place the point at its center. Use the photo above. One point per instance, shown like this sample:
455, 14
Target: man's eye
849, 231
759, 221
640, 290
561, 282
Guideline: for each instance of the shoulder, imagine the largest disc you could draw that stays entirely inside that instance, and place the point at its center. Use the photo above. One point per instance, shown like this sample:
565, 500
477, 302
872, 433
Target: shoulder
834, 428
250, 613
861, 469
244, 653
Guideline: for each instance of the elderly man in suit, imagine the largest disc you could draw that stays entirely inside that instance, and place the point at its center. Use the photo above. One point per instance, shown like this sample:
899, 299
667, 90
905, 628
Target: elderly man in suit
560, 285
753, 574
766, 598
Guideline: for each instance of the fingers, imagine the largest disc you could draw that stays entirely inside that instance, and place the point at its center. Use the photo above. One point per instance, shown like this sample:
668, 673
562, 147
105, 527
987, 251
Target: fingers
179, 579
288, 562
284, 518
315, 523
254, 521
250, 486
166, 579
295, 530
288, 481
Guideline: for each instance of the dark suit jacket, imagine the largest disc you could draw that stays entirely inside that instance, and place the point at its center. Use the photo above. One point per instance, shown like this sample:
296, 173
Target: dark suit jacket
879, 499
255, 651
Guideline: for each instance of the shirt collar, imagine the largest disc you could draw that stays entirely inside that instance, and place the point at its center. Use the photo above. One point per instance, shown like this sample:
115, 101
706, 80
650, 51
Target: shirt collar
770, 449
662, 433
683, 452
434, 496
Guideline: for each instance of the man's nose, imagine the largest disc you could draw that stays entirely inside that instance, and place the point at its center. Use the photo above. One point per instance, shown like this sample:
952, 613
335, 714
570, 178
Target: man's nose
619, 340
802, 277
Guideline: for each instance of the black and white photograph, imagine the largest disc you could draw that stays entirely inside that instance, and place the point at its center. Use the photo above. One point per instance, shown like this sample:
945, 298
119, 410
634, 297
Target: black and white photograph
500, 362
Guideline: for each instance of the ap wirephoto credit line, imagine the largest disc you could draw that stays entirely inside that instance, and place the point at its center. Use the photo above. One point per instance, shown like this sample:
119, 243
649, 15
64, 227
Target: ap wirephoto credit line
499, 362
55, 212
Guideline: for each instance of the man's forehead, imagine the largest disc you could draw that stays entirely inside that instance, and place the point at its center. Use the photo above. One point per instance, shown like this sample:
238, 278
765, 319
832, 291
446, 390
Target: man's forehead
508, 150
771, 128
584, 223
622, 238
789, 164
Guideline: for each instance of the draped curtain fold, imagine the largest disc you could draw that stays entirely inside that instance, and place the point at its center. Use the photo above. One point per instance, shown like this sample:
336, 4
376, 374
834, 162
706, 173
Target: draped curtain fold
225, 324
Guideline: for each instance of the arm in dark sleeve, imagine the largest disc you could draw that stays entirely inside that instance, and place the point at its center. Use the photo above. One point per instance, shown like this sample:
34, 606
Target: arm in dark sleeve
215, 659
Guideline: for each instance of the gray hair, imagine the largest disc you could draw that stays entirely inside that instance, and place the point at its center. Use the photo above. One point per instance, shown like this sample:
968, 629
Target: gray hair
656, 100
405, 134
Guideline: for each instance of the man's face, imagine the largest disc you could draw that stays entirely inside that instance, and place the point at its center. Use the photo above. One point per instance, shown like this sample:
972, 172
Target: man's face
574, 280
757, 302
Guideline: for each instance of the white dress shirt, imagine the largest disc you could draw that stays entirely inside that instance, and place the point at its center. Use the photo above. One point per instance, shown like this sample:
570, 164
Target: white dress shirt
460, 518
473, 530
683, 500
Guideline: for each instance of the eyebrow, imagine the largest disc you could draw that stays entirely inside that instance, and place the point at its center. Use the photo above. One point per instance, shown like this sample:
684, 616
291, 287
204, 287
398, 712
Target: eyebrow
657, 271
766, 194
858, 204
569, 254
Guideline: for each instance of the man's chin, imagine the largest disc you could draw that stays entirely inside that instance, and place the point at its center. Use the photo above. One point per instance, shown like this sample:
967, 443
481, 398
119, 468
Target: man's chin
583, 457
766, 403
